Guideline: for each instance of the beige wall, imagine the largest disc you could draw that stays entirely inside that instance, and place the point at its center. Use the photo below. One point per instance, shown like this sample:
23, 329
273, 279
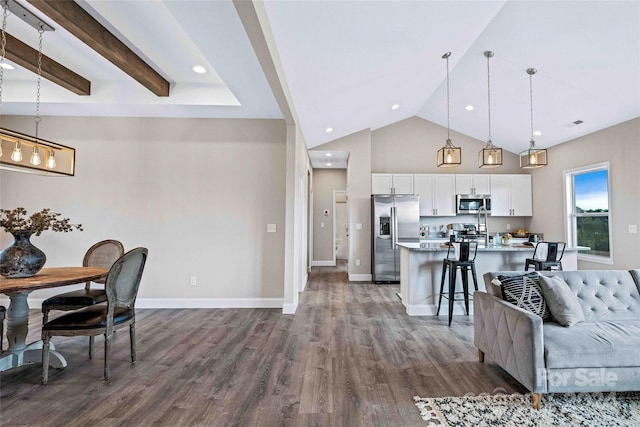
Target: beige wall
198, 193
620, 145
325, 182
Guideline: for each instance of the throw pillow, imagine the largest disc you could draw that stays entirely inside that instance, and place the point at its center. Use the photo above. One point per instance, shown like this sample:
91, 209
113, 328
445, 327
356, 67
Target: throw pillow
563, 303
524, 292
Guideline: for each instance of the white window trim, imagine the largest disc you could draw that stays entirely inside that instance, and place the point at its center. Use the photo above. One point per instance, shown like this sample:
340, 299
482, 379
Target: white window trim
569, 225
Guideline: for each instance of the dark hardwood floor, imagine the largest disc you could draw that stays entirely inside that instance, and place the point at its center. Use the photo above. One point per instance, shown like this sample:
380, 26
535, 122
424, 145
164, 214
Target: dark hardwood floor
350, 356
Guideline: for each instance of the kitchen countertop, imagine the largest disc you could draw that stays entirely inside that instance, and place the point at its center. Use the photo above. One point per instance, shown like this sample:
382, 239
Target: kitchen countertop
437, 247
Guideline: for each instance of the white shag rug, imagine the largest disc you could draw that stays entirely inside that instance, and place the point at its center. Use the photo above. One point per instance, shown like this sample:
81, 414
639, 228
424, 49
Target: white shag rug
558, 410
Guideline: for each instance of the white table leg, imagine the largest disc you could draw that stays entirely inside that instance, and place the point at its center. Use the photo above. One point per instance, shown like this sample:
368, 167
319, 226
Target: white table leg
19, 353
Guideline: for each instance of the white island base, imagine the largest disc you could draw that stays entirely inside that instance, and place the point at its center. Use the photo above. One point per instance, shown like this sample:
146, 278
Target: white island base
421, 272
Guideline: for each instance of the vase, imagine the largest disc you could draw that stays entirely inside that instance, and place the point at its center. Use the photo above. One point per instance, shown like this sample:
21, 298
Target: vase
21, 259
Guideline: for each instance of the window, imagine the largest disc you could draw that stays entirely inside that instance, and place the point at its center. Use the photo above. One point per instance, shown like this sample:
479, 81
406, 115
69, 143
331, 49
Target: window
588, 215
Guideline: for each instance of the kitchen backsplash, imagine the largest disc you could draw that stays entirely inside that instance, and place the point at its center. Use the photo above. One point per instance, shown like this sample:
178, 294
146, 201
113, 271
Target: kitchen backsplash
498, 224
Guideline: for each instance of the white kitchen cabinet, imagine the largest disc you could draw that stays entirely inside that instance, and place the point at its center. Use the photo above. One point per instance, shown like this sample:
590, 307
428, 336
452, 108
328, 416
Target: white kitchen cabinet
437, 194
473, 184
511, 195
391, 183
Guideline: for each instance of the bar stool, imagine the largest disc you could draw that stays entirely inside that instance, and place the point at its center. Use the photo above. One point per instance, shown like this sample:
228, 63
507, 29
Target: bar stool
546, 256
464, 260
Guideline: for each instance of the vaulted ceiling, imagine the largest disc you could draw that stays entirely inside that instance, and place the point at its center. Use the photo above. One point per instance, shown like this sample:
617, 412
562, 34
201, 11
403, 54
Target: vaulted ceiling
346, 63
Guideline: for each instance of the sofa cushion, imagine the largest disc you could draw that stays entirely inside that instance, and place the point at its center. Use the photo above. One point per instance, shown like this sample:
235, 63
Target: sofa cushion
524, 291
563, 304
592, 344
603, 294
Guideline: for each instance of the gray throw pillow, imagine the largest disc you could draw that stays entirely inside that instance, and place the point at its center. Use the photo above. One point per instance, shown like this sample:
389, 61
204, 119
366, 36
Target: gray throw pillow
563, 303
524, 291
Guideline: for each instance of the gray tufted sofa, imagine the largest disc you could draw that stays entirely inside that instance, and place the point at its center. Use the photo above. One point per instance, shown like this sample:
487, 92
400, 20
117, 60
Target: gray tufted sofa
600, 354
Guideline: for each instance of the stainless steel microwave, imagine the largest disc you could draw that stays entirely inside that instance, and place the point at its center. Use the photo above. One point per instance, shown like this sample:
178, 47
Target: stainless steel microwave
471, 203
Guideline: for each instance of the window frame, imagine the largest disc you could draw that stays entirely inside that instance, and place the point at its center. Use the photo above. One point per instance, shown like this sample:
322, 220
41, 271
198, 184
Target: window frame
570, 217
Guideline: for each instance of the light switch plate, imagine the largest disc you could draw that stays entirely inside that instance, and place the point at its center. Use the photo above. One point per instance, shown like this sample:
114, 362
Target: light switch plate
271, 228
358, 226
633, 229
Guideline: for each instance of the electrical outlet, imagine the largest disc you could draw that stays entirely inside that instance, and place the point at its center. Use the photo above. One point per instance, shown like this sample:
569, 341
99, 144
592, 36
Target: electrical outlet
633, 229
193, 281
358, 226
322, 225
271, 228
508, 227
357, 263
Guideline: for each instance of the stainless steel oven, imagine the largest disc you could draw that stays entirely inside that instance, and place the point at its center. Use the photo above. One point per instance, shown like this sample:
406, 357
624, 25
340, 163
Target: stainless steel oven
471, 203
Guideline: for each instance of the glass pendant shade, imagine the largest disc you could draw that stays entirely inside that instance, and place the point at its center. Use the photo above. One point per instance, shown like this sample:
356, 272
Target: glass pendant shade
16, 154
449, 156
490, 156
533, 157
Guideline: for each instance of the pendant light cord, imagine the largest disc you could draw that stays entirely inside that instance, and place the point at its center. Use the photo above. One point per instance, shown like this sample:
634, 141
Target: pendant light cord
37, 116
489, 96
531, 72
3, 46
448, 122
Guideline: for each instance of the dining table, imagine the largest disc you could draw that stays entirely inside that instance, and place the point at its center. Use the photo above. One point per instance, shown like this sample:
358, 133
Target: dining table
18, 289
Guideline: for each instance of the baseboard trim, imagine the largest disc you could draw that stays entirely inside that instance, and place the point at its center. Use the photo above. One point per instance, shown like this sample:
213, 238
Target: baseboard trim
36, 303
289, 308
432, 309
359, 277
323, 263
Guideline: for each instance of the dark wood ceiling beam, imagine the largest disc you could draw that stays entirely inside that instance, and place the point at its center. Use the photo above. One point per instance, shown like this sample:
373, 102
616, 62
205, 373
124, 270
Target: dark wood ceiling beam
27, 57
78, 22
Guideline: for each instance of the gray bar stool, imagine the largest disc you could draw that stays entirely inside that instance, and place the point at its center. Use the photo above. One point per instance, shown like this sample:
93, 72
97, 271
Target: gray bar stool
465, 262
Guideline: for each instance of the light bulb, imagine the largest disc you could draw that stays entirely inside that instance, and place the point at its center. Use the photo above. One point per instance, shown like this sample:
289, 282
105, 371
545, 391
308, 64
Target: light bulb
51, 160
35, 157
490, 159
0, 148
449, 158
532, 159
16, 155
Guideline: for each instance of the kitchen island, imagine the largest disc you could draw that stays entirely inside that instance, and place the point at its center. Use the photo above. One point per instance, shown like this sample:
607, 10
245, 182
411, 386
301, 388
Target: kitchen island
421, 272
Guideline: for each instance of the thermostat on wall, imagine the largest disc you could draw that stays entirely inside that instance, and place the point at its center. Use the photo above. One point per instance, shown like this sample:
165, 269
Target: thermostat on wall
326, 212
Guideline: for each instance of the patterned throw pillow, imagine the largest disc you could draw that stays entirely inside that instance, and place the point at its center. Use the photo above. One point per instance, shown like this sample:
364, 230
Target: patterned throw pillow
525, 292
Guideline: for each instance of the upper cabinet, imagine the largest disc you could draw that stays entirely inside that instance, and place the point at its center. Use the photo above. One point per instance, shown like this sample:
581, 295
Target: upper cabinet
437, 194
391, 183
473, 184
511, 195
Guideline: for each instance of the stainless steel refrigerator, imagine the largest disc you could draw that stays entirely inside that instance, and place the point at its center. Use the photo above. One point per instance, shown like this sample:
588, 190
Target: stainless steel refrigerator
394, 218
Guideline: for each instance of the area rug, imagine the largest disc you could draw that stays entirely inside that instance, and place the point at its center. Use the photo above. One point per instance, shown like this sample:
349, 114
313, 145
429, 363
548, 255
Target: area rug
558, 410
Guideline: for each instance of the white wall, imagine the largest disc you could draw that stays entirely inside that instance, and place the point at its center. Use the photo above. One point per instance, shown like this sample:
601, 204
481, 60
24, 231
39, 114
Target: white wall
198, 193
620, 145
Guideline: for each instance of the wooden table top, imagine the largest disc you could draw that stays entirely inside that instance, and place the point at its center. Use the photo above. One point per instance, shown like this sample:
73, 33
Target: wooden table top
51, 278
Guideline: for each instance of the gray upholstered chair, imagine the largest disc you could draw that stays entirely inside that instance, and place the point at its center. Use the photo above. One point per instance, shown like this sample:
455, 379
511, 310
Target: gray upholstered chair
102, 254
121, 285
3, 313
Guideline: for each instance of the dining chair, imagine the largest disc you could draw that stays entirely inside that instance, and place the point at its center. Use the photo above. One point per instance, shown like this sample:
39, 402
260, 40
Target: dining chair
102, 254
121, 285
3, 314
546, 256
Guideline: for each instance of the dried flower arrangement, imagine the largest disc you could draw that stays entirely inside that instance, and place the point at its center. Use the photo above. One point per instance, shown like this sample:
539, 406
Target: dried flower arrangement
16, 220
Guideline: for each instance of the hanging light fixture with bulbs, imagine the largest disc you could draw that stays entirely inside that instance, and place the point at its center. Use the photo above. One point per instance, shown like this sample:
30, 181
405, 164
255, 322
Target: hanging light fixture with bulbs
490, 156
449, 156
35, 164
533, 157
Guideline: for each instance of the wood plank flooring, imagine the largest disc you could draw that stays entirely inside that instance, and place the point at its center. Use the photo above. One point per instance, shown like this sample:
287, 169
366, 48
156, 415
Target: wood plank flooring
350, 356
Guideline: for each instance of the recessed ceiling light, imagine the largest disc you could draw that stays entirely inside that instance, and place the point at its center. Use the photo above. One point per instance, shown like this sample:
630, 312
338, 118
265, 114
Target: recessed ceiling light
328, 154
395, 106
469, 107
328, 164
199, 69
328, 130
537, 133
7, 66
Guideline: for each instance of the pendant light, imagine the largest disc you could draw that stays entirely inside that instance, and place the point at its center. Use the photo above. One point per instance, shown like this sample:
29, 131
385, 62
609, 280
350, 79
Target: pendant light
449, 156
490, 156
35, 155
533, 157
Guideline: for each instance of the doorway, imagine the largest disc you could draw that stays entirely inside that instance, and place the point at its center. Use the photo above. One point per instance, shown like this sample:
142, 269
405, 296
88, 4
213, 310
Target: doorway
341, 225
